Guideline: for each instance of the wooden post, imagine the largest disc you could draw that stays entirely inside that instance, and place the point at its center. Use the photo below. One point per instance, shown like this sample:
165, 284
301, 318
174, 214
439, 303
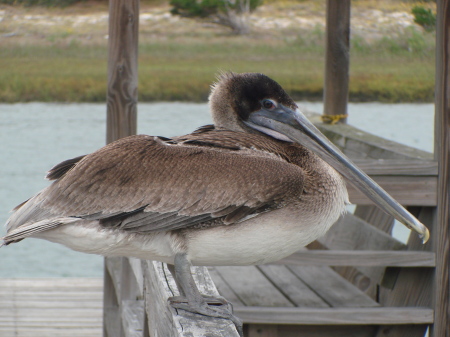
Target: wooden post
122, 69
441, 238
121, 122
337, 61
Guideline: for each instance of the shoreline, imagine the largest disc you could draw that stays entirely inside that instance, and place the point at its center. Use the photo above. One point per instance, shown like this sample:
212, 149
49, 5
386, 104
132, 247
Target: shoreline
60, 54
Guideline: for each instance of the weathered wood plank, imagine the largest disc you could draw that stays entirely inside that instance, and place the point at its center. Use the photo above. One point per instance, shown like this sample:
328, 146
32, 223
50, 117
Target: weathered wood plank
122, 69
33, 332
336, 316
326, 330
252, 287
42, 303
398, 167
333, 288
360, 258
223, 287
163, 320
263, 330
407, 190
441, 236
290, 330
412, 287
376, 217
352, 233
337, 58
131, 306
112, 326
367, 278
51, 307
121, 120
359, 144
292, 287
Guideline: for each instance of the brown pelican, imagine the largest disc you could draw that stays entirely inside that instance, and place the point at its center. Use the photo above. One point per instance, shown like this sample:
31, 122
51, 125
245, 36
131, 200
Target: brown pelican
252, 188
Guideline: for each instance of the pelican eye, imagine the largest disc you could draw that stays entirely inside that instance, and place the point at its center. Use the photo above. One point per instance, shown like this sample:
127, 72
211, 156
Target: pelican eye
268, 104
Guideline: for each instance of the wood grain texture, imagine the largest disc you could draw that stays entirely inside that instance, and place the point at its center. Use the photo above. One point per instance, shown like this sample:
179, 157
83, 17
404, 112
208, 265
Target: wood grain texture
223, 287
122, 69
337, 58
376, 217
292, 287
332, 288
121, 121
252, 287
358, 144
407, 190
291, 330
441, 290
335, 316
60, 307
398, 167
412, 286
163, 320
368, 258
381, 222
353, 233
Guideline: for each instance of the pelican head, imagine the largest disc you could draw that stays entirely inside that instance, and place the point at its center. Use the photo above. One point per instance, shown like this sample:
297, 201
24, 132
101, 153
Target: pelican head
252, 102
235, 96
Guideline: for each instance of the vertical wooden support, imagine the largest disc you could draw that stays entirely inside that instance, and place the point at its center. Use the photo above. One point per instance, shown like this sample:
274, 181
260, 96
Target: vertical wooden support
122, 69
121, 122
337, 58
441, 233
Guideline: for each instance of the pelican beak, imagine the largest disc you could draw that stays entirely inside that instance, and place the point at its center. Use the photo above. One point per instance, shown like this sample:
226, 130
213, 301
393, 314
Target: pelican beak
283, 122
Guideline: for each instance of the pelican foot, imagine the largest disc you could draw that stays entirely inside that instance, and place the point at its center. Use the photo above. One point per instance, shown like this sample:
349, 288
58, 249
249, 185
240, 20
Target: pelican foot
209, 306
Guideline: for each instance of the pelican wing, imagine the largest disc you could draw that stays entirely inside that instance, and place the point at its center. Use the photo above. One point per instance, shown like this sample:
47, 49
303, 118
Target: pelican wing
143, 184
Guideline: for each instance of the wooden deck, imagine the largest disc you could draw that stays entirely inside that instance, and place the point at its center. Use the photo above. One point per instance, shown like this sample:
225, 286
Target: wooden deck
269, 294
53, 307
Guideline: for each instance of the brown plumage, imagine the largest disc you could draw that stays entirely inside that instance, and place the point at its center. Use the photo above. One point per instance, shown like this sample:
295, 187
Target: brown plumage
218, 175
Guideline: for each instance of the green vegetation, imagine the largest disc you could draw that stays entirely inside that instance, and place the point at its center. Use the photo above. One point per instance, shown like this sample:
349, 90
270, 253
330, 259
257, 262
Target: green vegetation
233, 14
173, 71
205, 8
424, 17
59, 65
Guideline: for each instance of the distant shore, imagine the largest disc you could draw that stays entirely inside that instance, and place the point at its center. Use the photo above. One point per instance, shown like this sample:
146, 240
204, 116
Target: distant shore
60, 54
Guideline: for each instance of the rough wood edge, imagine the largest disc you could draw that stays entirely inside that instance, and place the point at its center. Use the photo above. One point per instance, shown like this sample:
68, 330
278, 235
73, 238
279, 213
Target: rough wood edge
407, 190
336, 316
365, 258
341, 133
167, 321
441, 239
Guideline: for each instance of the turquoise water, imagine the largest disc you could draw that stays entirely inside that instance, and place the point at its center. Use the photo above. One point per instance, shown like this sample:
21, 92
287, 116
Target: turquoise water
36, 136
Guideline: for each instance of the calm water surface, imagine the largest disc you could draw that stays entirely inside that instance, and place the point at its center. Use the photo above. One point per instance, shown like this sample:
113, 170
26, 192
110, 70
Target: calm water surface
36, 136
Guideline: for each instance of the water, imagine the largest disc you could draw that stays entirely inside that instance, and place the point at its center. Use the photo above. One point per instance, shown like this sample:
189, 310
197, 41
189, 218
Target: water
36, 136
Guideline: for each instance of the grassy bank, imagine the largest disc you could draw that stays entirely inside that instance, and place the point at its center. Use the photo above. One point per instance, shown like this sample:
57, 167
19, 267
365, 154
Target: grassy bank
173, 66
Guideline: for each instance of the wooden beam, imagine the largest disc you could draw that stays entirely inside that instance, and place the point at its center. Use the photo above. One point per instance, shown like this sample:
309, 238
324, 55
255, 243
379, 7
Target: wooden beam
337, 58
440, 237
121, 121
335, 316
398, 167
122, 69
367, 258
407, 190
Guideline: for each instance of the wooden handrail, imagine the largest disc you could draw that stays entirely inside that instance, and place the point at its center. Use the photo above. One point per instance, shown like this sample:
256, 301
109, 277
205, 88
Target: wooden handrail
367, 258
336, 316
